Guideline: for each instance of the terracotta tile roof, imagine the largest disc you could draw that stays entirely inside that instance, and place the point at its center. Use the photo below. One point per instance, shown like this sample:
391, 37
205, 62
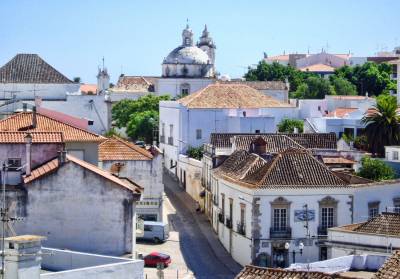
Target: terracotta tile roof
318, 68
88, 89
283, 57
42, 170
135, 84
386, 223
309, 140
341, 112
117, 149
23, 122
290, 168
337, 160
341, 97
54, 164
226, 96
259, 85
30, 68
391, 267
37, 137
65, 118
274, 143
256, 272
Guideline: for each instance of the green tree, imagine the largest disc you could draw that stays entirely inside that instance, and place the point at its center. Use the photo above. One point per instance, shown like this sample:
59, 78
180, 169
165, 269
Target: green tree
342, 86
195, 152
314, 87
141, 125
287, 125
139, 116
375, 169
382, 124
369, 77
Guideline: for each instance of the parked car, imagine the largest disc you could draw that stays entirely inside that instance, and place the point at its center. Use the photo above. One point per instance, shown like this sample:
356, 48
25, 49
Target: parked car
155, 258
155, 231
140, 143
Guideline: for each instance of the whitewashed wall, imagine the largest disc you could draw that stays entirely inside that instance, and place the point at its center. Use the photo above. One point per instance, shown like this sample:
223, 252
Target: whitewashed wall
28, 91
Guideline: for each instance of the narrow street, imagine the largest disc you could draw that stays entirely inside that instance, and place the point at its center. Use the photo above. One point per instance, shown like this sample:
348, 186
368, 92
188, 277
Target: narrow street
193, 246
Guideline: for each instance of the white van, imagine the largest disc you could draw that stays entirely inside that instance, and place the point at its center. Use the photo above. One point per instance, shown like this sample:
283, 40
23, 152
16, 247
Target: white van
156, 231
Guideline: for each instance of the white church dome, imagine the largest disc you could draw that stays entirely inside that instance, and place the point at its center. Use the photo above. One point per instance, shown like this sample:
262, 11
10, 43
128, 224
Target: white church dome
187, 55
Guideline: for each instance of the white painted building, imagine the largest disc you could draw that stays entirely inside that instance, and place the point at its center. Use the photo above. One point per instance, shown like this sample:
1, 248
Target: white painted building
260, 203
379, 235
144, 167
217, 108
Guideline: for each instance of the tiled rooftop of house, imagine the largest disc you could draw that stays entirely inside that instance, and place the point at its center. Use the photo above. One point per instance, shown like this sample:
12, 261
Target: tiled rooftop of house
37, 137
135, 84
54, 164
259, 85
309, 141
391, 268
30, 68
337, 160
341, 112
275, 143
88, 89
23, 122
117, 149
290, 168
386, 223
318, 68
256, 272
226, 96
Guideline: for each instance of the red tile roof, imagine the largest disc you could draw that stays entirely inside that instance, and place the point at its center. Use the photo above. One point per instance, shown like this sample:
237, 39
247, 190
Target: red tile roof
117, 149
290, 168
225, 96
37, 137
256, 272
23, 122
89, 89
391, 268
341, 112
318, 68
54, 164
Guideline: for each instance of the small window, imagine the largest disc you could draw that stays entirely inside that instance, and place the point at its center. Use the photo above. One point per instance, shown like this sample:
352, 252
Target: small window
14, 163
257, 131
373, 209
198, 134
395, 155
319, 108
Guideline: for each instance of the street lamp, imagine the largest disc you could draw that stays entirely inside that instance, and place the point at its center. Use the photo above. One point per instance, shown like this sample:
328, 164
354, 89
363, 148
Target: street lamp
301, 247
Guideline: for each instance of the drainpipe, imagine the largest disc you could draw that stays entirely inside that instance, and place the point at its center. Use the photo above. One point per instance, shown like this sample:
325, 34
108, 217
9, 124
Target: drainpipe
28, 140
34, 118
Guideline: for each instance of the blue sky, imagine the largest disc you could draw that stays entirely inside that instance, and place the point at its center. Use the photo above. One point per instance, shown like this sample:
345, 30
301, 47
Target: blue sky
135, 36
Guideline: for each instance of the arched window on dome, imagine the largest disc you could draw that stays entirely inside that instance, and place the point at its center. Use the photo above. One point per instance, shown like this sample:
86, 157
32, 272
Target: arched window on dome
185, 89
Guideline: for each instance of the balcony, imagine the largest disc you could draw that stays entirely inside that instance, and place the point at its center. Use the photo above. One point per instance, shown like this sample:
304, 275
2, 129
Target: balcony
221, 218
170, 140
228, 223
241, 228
322, 231
162, 139
280, 233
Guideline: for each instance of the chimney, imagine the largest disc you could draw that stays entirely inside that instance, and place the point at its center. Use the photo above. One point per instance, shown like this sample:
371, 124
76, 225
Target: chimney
62, 156
34, 119
22, 257
28, 140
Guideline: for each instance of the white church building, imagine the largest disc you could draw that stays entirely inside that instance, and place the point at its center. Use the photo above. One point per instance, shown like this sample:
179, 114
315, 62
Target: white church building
189, 67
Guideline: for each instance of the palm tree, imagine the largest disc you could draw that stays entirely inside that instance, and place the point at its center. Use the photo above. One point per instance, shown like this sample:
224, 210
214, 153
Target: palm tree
382, 124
